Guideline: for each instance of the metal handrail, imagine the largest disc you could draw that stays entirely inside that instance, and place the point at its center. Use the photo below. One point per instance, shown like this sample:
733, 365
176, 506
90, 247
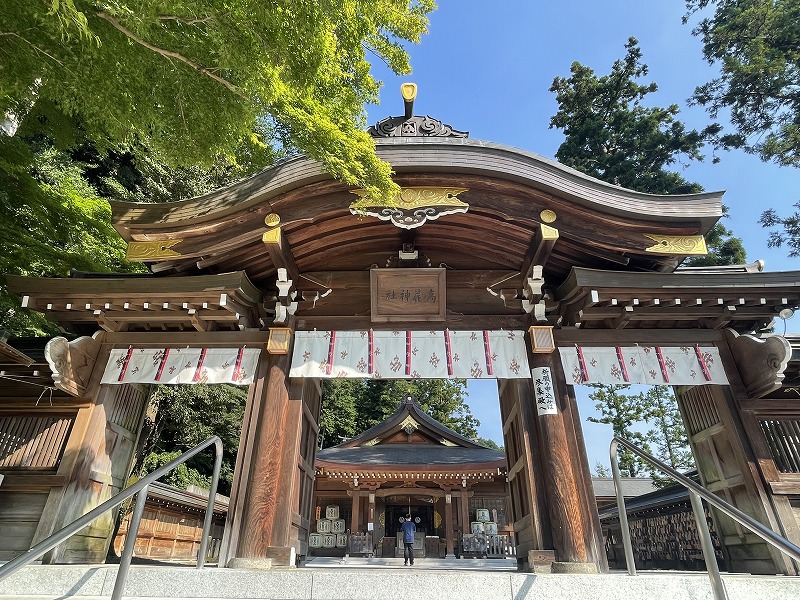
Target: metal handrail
140, 488
696, 491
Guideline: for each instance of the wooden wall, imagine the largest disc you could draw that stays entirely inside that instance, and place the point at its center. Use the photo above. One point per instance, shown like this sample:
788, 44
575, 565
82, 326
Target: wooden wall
773, 430
19, 517
727, 468
171, 534
37, 444
104, 459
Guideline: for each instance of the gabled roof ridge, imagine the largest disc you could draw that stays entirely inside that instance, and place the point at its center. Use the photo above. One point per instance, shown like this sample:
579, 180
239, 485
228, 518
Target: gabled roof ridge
409, 406
437, 425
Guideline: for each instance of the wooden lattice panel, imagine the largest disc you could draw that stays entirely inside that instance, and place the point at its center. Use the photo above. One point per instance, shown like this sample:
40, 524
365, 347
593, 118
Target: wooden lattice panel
33, 441
783, 437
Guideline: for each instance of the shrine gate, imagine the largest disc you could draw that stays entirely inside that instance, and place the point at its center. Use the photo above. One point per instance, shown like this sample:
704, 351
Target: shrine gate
493, 262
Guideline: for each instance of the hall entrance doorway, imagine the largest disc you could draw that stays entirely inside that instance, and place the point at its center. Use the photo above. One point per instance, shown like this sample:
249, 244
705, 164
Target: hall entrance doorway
420, 509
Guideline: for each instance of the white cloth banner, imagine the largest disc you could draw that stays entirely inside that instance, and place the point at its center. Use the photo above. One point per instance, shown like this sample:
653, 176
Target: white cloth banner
410, 354
173, 366
652, 365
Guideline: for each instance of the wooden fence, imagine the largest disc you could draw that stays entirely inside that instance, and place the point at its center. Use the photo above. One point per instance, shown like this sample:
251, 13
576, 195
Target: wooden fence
488, 546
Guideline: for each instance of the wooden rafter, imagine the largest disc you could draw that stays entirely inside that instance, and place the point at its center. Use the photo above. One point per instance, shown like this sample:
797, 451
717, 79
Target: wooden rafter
227, 301
605, 299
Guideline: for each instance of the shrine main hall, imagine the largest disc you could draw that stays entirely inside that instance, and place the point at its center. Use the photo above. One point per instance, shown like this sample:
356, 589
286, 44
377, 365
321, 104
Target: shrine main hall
492, 263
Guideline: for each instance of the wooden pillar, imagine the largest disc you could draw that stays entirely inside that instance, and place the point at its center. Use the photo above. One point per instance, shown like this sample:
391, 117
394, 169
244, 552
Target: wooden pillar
354, 517
465, 527
448, 524
265, 486
593, 534
570, 518
371, 513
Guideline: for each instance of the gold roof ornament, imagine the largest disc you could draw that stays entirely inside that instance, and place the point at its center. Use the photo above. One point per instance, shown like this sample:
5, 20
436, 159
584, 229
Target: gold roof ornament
548, 216
677, 244
413, 206
409, 424
408, 125
151, 251
409, 92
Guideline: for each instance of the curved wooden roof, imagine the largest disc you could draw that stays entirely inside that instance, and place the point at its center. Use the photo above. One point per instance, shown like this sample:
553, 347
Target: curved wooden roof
607, 254
600, 225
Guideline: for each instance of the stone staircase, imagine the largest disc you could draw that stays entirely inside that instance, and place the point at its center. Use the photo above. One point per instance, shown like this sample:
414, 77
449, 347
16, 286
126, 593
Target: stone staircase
387, 580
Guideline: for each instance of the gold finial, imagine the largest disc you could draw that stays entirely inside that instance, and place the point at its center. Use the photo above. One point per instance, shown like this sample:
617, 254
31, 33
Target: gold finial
409, 92
272, 219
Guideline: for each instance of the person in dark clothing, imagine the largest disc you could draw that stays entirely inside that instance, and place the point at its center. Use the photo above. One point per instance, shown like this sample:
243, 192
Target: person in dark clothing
408, 528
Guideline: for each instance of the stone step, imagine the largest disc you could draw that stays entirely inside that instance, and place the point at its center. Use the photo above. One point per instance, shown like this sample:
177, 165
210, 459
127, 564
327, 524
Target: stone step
387, 583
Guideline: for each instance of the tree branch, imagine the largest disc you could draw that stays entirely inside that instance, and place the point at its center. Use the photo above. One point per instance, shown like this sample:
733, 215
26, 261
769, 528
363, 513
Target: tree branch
184, 19
34, 46
170, 54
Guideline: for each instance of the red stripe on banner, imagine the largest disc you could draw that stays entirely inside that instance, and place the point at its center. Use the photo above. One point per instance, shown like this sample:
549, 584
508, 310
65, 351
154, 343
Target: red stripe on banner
125, 365
163, 362
662, 364
200, 364
371, 352
238, 367
621, 360
703, 365
582, 363
408, 353
331, 349
449, 352
488, 352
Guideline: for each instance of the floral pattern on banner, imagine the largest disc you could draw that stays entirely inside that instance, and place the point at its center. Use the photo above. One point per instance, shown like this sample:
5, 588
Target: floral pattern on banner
173, 366
411, 354
652, 365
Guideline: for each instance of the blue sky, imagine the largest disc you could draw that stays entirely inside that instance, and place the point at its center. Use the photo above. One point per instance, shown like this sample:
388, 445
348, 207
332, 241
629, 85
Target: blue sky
486, 67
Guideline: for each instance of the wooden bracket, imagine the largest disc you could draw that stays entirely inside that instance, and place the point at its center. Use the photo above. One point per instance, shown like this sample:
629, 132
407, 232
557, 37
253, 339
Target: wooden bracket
761, 361
280, 252
72, 363
544, 239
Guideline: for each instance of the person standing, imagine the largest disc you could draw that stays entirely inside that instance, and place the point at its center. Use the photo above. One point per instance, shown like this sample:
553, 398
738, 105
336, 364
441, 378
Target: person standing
409, 529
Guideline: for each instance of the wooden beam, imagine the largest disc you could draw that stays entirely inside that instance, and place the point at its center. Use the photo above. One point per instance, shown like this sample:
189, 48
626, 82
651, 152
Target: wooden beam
362, 323
250, 337
544, 239
280, 252
568, 336
477, 279
676, 313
